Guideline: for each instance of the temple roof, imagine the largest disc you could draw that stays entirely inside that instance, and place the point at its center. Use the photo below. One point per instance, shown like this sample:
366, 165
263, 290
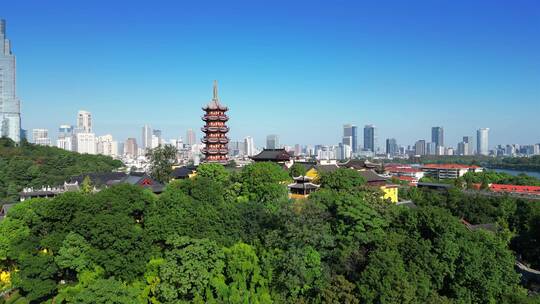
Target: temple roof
360, 164
277, 155
372, 177
183, 172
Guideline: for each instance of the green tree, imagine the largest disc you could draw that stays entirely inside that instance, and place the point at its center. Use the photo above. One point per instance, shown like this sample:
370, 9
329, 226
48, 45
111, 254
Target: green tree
264, 182
243, 280
215, 172
189, 267
75, 253
297, 170
342, 180
161, 160
86, 185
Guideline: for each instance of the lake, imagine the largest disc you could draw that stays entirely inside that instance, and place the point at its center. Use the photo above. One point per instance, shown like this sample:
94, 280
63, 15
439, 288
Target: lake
516, 172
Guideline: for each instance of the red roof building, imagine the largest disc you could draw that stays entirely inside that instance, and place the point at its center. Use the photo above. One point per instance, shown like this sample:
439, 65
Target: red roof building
532, 190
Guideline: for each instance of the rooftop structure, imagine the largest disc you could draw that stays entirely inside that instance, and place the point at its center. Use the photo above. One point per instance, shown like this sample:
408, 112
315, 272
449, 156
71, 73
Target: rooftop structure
302, 187
273, 155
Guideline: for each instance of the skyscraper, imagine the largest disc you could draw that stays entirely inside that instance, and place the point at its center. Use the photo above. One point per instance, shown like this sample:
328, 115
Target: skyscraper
272, 142
146, 137
10, 106
420, 147
482, 141
391, 146
431, 148
463, 148
470, 147
84, 122
190, 137
249, 145
350, 136
437, 136
370, 138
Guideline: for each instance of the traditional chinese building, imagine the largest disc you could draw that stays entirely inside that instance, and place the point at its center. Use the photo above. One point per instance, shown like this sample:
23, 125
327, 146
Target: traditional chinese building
302, 187
215, 130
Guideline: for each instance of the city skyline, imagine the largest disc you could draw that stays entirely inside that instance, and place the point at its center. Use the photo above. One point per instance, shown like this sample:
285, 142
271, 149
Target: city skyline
91, 66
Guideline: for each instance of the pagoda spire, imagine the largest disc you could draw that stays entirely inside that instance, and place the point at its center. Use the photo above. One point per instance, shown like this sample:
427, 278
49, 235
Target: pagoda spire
215, 91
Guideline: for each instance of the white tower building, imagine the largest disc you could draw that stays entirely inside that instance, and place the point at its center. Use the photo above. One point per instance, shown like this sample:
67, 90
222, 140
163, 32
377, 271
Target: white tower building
482, 141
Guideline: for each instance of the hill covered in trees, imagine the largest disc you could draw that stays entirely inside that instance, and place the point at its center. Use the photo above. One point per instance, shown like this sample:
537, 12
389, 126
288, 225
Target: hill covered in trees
29, 165
235, 238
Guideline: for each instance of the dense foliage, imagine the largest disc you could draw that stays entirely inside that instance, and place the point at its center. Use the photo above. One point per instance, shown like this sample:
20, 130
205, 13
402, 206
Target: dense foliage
161, 160
518, 219
492, 177
531, 163
29, 165
235, 238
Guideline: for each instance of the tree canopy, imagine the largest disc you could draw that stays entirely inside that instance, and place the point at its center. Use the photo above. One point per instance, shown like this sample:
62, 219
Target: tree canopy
236, 238
29, 165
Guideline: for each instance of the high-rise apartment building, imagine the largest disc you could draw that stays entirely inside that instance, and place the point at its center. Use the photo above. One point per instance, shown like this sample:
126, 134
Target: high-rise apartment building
105, 145
41, 137
370, 138
10, 106
84, 122
437, 136
391, 146
146, 138
65, 137
420, 147
130, 147
350, 136
482, 141
431, 148
272, 142
249, 145
85, 143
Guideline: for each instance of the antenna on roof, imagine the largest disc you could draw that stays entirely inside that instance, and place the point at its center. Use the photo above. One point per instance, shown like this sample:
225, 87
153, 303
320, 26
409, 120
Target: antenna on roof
215, 91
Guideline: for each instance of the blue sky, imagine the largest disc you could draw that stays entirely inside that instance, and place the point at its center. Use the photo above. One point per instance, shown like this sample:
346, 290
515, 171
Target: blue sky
300, 69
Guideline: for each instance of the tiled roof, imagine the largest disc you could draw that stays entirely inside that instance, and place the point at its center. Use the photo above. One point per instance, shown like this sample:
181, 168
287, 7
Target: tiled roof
371, 176
360, 164
143, 180
272, 155
99, 179
326, 168
515, 188
183, 172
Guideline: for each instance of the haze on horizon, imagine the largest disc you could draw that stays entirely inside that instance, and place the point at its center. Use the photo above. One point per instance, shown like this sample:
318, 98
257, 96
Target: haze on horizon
300, 69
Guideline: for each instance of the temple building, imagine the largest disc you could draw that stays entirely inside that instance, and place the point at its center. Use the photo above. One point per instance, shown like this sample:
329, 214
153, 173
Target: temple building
302, 187
215, 130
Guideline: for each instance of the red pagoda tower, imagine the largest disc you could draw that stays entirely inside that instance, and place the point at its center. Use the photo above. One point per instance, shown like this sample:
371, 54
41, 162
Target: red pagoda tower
215, 138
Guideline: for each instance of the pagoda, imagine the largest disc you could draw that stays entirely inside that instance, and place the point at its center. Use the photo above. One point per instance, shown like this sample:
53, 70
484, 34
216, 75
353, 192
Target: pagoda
215, 138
